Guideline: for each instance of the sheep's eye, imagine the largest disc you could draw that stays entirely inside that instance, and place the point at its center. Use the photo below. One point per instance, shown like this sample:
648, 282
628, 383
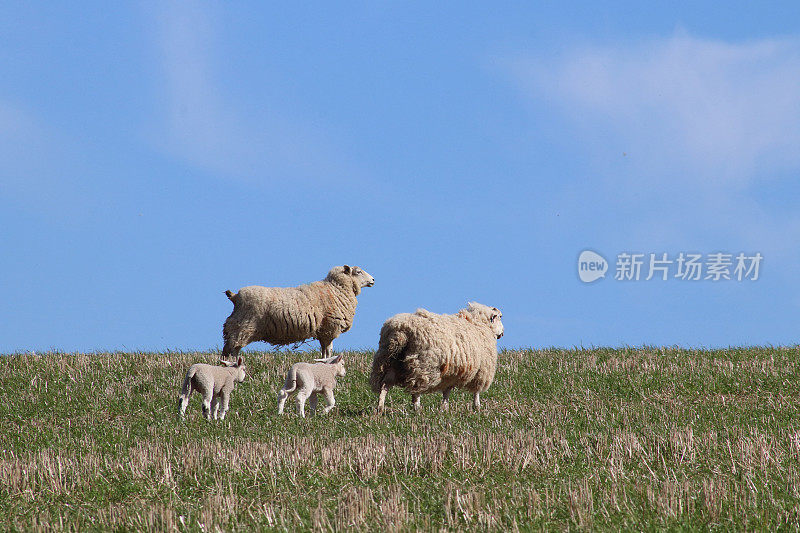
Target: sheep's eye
492, 319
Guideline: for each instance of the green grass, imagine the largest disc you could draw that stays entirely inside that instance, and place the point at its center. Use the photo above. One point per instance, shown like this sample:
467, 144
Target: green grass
636, 439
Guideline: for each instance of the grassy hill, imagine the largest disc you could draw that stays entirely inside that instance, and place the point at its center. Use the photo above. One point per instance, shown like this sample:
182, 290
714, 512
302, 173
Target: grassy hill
596, 438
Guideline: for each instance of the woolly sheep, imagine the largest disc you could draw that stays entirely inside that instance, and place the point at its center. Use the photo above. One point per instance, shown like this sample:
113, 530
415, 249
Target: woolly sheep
426, 352
285, 315
309, 379
214, 383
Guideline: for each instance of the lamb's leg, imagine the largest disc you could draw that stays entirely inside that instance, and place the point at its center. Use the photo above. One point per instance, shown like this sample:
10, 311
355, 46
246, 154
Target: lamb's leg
313, 402
207, 407
215, 407
225, 399
446, 398
282, 397
302, 396
476, 401
415, 402
382, 397
329, 399
183, 401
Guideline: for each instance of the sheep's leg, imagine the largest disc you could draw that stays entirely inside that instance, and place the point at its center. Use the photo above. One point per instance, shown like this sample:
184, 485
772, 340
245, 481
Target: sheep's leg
382, 397
446, 398
313, 402
476, 401
330, 400
415, 402
325, 348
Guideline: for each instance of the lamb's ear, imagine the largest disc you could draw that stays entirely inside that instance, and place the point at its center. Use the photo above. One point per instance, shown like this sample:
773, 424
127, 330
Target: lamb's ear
347, 269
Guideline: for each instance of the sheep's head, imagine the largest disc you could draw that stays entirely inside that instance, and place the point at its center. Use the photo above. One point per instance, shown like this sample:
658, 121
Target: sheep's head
337, 361
239, 366
351, 277
491, 314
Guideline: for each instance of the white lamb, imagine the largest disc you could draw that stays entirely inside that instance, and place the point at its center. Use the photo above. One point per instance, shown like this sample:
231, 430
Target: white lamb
308, 379
215, 383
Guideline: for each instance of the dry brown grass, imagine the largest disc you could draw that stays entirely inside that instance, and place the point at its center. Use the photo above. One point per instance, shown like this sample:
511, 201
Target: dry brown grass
589, 439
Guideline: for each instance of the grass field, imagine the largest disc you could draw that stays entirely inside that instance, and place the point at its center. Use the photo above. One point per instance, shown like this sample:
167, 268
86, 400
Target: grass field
645, 438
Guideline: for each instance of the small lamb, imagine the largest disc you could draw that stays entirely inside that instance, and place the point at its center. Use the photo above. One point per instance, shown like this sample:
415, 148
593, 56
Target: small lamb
215, 383
309, 379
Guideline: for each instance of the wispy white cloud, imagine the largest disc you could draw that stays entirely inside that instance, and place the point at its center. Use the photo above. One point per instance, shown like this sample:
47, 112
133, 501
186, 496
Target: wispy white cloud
704, 124
209, 128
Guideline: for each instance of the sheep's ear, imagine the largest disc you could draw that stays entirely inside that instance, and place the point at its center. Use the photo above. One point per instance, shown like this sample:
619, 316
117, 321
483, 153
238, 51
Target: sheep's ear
347, 269
226, 363
336, 359
240, 361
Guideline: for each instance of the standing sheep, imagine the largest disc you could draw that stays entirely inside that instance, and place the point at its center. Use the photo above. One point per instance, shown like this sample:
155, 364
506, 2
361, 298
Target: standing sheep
426, 352
322, 310
214, 383
308, 380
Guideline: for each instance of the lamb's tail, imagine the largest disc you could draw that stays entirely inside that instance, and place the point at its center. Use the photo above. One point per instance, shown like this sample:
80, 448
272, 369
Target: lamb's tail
291, 381
389, 356
186, 390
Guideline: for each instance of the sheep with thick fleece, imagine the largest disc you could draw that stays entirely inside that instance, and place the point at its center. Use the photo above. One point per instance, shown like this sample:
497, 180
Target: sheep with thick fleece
214, 383
309, 379
426, 352
322, 310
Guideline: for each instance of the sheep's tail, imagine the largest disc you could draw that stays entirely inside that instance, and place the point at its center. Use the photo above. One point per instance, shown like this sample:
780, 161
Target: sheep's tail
291, 381
389, 355
230, 295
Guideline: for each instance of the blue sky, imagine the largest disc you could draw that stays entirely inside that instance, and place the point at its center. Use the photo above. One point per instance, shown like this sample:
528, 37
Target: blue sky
153, 155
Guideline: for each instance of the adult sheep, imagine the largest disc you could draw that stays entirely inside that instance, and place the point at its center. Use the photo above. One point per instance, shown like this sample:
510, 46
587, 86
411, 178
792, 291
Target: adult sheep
322, 310
425, 352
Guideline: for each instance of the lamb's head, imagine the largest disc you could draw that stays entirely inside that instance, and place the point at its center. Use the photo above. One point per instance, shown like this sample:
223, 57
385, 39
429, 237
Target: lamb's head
336, 361
491, 315
351, 277
240, 370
